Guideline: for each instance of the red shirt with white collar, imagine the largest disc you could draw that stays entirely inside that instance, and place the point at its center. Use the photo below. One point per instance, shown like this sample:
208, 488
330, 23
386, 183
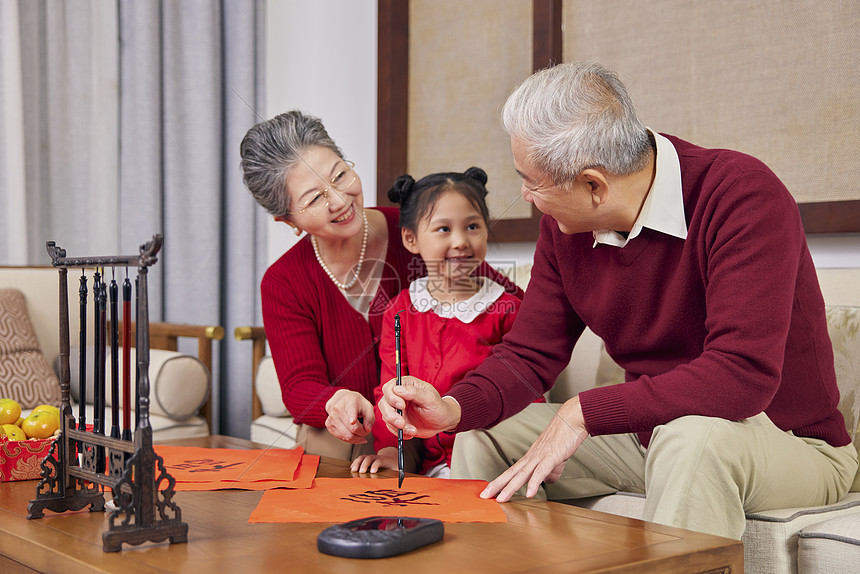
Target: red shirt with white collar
439, 344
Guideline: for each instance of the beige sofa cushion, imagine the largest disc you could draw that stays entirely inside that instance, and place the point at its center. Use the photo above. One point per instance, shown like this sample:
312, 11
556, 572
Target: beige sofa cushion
269, 390
179, 383
830, 547
25, 374
276, 427
275, 432
163, 427
771, 537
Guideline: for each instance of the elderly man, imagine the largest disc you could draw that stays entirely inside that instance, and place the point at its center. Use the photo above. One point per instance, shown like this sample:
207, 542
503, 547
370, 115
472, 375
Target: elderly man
692, 265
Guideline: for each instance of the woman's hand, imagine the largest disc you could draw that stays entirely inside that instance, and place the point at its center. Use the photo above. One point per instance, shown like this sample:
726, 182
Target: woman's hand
350, 416
545, 459
385, 458
425, 413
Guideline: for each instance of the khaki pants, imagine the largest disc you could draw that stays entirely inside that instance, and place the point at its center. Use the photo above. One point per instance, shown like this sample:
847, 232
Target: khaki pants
699, 473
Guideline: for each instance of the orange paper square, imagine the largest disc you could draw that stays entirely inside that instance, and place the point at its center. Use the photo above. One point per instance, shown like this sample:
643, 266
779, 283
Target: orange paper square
304, 478
345, 499
196, 464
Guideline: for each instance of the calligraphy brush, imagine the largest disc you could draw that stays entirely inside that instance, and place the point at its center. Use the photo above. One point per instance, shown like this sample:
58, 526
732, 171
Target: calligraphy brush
400, 472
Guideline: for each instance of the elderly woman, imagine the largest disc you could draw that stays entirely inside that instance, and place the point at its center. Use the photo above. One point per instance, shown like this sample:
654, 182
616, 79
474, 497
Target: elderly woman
323, 299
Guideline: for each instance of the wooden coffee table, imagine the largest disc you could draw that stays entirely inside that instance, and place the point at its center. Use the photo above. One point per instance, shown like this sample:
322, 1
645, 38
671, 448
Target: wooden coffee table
538, 537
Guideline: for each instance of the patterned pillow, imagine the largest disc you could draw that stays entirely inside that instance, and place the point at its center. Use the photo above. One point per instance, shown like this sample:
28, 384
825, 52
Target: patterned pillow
25, 374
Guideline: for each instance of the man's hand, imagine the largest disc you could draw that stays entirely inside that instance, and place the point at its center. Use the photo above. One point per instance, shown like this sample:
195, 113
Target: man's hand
425, 413
350, 416
545, 459
385, 458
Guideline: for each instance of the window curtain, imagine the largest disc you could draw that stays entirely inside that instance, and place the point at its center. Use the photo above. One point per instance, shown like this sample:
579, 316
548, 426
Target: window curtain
13, 231
58, 85
123, 119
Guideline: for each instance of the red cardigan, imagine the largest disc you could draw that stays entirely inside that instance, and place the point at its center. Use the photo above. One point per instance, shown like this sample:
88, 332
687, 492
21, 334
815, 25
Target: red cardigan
319, 342
727, 323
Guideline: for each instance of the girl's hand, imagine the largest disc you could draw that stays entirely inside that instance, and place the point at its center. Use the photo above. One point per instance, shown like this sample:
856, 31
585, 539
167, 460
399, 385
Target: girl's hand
385, 458
425, 412
350, 416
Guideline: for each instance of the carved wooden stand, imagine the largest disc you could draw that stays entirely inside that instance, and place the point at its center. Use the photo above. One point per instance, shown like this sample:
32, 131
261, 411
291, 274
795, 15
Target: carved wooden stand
142, 489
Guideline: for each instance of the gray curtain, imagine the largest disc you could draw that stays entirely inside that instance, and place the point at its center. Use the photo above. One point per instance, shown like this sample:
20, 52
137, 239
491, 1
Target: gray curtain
59, 85
189, 88
134, 111
13, 197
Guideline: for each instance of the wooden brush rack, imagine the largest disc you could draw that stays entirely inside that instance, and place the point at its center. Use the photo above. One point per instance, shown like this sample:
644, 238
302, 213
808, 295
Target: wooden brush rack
82, 460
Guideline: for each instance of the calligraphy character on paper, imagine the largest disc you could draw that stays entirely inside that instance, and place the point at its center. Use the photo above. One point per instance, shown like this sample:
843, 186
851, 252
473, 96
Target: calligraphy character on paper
389, 497
204, 465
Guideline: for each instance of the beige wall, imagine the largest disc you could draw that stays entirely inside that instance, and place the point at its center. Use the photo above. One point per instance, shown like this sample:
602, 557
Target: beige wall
779, 80
464, 60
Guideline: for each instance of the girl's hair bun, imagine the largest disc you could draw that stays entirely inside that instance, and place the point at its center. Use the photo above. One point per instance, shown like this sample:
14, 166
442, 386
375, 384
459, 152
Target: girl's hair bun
401, 189
476, 173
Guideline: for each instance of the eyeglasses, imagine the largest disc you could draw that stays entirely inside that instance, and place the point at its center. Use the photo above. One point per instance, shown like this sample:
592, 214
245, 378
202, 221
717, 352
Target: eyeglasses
543, 187
539, 188
342, 181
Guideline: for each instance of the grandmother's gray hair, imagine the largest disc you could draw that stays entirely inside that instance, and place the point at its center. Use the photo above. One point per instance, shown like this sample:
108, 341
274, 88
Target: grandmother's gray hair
272, 148
575, 116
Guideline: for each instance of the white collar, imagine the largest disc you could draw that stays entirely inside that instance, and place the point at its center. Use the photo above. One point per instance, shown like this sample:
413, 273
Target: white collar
663, 209
465, 311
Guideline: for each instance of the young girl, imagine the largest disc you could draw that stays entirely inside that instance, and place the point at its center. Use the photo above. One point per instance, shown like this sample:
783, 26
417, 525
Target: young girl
451, 318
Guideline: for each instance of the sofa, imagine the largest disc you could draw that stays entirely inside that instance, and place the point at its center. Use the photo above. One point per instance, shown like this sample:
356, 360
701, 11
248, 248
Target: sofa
180, 381
791, 540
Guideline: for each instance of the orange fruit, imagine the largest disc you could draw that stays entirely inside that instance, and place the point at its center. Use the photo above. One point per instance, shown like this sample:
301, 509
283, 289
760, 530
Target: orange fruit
10, 411
2, 432
40, 424
14, 433
50, 409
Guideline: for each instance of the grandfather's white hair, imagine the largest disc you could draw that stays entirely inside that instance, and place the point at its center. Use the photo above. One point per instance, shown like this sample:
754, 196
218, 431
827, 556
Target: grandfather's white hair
574, 116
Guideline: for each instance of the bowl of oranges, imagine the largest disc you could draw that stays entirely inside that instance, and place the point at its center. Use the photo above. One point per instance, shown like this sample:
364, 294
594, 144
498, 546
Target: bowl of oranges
25, 440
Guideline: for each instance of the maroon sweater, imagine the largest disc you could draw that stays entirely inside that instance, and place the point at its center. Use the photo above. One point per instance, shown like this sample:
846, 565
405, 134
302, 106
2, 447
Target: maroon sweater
319, 342
727, 323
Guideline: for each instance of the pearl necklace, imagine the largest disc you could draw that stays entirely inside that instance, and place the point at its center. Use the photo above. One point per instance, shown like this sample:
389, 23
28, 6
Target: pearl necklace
357, 272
